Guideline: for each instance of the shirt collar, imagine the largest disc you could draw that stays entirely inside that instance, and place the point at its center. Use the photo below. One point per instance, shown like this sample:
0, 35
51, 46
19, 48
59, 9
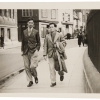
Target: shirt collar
29, 29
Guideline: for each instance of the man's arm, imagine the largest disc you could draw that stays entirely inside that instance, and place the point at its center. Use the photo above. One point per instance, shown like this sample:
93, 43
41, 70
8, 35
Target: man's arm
38, 41
45, 47
22, 45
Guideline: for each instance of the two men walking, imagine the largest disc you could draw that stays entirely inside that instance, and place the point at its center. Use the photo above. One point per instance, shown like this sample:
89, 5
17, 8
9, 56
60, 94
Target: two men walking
31, 46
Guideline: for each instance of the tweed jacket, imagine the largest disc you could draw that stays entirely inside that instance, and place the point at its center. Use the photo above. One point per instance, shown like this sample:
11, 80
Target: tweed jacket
49, 44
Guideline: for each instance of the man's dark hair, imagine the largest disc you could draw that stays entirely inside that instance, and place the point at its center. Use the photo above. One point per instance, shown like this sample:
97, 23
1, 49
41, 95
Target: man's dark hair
47, 26
30, 19
53, 24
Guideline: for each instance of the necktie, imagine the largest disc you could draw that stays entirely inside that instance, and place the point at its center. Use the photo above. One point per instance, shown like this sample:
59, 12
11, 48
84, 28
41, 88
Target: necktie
29, 32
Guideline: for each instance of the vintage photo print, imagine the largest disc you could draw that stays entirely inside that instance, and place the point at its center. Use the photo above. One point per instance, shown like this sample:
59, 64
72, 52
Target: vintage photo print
49, 49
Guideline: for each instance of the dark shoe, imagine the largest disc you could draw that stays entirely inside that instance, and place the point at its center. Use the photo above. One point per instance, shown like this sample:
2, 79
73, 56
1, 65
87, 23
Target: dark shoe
36, 80
53, 84
61, 78
30, 84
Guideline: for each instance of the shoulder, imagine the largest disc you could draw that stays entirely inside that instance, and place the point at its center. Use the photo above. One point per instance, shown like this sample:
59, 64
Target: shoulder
25, 30
35, 30
60, 34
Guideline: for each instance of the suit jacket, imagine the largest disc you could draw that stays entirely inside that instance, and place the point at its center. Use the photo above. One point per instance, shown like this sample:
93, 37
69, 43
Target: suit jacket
30, 43
49, 44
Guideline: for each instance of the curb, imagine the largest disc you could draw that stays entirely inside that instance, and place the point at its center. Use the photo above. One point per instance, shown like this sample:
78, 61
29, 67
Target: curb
6, 78
92, 76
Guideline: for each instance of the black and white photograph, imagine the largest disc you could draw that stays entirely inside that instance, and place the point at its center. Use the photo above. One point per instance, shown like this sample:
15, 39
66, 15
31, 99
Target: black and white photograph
49, 50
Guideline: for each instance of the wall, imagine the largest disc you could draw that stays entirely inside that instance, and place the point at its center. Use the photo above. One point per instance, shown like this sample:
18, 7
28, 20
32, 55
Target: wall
93, 34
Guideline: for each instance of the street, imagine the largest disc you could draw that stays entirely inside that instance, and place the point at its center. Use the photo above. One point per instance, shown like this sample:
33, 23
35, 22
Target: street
11, 60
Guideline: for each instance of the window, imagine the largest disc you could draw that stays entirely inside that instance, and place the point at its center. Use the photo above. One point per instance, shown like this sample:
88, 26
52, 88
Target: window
83, 18
63, 16
27, 13
53, 14
68, 17
0, 12
30, 12
44, 13
13, 14
5, 12
9, 13
23, 13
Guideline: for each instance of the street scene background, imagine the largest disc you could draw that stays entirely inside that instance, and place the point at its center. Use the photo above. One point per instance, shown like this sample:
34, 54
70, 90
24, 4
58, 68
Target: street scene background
69, 23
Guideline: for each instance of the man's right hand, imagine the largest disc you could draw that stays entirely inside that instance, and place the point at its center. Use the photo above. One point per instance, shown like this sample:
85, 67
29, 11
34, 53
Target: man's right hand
45, 57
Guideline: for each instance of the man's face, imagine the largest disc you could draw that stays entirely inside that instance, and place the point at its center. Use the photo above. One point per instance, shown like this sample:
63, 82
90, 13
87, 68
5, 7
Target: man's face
30, 23
52, 28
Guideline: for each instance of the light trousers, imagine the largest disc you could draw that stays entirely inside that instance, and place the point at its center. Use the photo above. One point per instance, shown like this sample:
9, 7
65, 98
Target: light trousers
53, 71
30, 63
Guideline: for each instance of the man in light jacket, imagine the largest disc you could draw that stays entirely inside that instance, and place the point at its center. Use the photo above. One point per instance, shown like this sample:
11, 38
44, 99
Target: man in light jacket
49, 50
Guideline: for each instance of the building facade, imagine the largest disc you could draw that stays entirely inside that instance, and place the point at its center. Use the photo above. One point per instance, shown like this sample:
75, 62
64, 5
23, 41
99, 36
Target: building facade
8, 25
42, 17
65, 20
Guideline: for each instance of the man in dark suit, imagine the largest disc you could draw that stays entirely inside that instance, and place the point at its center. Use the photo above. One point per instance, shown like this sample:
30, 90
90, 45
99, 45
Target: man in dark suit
30, 48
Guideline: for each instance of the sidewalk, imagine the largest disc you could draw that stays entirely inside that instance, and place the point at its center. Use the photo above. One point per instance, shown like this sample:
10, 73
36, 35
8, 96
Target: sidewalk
73, 81
10, 45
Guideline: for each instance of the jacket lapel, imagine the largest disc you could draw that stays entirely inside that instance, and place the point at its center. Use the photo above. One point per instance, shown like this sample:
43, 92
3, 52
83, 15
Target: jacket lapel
56, 37
32, 32
49, 36
26, 32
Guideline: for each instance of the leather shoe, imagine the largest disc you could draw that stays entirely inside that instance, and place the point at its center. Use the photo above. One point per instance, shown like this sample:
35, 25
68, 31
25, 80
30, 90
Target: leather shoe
36, 80
53, 84
61, 78
30, 84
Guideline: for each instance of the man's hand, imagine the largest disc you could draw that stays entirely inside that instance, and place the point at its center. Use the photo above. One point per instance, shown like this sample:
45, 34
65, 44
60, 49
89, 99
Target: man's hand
45, 58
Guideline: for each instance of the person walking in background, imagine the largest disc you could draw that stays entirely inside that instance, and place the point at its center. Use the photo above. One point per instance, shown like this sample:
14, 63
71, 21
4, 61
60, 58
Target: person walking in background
30, 48
52, 40
83, 38
79, 39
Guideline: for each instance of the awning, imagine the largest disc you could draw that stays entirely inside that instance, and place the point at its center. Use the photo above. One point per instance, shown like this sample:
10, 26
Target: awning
67, 23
